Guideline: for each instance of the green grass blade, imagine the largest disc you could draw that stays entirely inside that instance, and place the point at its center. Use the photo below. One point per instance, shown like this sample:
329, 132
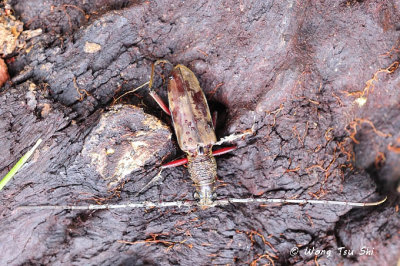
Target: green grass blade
19, 164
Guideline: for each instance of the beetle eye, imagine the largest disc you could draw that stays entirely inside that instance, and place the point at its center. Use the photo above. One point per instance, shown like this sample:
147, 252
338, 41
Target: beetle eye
196, 195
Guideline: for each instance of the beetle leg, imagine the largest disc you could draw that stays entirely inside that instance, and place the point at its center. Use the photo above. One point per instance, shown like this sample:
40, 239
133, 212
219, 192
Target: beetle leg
150, 83
156, 178
132, 91
153, 94
175, 163
223, 150
153, 67
183, 161
160, 102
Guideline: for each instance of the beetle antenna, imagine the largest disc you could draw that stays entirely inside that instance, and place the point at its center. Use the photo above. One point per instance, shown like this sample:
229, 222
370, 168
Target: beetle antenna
221, 202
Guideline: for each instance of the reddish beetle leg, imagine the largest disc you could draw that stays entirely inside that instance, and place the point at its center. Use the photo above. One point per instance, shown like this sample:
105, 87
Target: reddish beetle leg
183, 161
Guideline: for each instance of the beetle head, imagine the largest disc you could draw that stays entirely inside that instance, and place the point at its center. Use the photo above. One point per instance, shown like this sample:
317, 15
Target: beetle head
205, 195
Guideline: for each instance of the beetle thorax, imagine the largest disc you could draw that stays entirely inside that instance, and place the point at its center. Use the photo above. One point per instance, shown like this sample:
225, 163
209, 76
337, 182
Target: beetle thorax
202, 169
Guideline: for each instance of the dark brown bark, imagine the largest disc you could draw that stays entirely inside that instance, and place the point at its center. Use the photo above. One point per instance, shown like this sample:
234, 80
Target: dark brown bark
321, 80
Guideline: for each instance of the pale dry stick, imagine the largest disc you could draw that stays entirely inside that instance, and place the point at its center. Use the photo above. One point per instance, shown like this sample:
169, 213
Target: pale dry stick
179, 204
234, 137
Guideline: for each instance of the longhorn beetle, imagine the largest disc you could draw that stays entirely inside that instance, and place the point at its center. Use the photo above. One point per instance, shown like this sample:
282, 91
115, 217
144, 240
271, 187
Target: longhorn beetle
194, 129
